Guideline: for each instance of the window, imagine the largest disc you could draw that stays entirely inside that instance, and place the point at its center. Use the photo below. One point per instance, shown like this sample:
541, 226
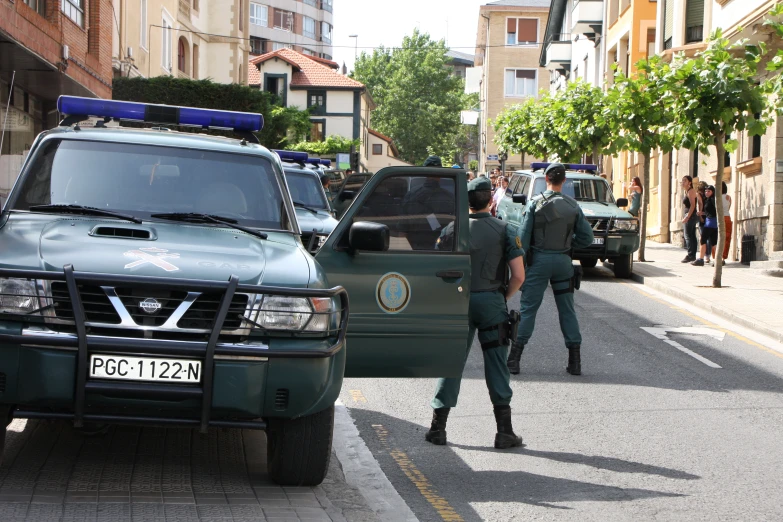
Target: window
284, 20
521, 31
668, 23
326, 5
166, 47
377, 149
415, 208
259, 14
74, 9
512, 185
181, 55
317, 130
326, 32
39, 6
144, 24
241, 15
195, 62
727, 154
755, 150
306, 189
694, 164
580, 189
256, 45
316, 102
280, 45
313, 3
521, 82
694, 21
309, 52
309, 28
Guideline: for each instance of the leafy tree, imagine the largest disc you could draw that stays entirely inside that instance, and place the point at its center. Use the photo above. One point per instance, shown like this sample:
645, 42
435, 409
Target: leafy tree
473, 165
527, 128
637, 111
331, 145
418, 99
715, 94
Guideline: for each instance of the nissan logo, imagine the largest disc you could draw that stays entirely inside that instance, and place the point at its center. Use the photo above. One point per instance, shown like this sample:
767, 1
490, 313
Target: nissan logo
150, 305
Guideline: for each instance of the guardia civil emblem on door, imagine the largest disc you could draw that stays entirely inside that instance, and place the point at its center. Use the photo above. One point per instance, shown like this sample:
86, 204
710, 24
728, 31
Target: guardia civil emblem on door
393, 293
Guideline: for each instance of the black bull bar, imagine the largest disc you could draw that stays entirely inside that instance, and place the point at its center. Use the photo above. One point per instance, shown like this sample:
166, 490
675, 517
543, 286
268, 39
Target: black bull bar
85, 343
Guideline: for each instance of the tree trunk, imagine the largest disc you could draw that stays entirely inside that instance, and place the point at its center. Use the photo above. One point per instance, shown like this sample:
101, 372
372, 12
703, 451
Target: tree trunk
645, 202
595, 156
720, 150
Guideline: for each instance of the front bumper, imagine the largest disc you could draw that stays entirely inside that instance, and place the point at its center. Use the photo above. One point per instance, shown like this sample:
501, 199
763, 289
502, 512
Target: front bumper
614, 242
244, 382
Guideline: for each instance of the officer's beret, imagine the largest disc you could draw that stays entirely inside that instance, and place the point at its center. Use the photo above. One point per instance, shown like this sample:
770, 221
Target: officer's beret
479, 184
433, 161
554, 169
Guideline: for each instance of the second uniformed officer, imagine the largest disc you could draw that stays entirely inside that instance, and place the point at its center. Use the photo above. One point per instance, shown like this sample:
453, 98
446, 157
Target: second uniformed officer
552, 226
494, 245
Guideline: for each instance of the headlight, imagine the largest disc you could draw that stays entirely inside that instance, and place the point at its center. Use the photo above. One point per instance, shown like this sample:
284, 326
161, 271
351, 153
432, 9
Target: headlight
629, 225
298, 314
18, 296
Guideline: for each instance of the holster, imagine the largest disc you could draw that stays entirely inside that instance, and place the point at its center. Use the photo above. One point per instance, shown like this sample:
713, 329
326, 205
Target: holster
576, 280
513, 325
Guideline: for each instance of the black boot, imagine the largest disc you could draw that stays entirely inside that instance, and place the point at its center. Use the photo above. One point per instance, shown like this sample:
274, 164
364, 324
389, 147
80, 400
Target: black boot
437, 433
574, 360
514, 354
505, 437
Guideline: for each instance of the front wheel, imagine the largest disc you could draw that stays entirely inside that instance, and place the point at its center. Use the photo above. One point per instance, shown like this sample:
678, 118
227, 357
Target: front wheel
623, 266
589, 262
299, 450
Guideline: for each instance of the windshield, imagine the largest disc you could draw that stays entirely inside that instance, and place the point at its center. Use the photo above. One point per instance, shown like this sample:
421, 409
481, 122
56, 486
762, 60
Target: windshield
581, 189
142, 180
306, 189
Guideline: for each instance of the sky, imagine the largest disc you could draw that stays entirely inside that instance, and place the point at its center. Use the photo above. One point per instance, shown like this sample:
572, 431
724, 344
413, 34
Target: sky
388, 22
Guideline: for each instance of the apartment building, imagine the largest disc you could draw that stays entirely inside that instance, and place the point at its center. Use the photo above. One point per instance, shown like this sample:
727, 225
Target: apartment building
302, 25
48, 48
184, 38
508, 47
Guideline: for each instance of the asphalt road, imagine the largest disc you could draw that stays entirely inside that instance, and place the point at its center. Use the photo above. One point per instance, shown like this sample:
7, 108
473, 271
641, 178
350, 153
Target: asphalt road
648, 432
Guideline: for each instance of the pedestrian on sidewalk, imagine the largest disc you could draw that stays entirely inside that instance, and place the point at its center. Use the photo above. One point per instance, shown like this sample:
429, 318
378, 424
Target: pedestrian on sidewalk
636, 196
709, 233
726, 202
690, 219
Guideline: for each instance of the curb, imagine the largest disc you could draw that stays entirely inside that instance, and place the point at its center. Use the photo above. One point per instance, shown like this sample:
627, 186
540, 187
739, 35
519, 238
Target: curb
742, 320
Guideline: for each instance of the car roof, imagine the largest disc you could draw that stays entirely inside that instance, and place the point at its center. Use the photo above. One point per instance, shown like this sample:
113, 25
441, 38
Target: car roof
298, 169
570, 174
169, 138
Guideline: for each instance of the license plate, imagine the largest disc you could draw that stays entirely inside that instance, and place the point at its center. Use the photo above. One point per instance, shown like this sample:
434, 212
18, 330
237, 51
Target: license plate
144, 368
598, 241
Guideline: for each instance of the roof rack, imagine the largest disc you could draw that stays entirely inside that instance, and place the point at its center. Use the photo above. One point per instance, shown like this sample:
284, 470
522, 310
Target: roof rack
76, 109
569, 166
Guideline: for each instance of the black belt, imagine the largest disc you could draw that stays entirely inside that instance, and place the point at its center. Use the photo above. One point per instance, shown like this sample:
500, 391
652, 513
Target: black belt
485, 291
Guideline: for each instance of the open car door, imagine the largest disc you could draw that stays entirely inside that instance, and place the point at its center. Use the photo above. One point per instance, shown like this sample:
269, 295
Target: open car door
408, 291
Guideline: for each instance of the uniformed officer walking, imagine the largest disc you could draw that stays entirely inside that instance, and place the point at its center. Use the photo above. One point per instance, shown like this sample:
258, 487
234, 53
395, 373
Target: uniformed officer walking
494, 245
553, 225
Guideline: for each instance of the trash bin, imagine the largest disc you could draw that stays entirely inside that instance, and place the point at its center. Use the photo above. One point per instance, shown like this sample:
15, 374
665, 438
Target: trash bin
748, 249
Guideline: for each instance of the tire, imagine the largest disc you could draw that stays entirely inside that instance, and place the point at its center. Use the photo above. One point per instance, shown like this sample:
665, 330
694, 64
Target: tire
299, 450
623, 266
589, 262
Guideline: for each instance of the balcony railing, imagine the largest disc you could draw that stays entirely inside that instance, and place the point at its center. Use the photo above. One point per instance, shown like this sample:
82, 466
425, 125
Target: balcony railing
587, 16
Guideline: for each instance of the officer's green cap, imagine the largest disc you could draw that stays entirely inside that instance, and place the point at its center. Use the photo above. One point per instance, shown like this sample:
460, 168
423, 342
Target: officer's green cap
433, 161
555, 168
479, 184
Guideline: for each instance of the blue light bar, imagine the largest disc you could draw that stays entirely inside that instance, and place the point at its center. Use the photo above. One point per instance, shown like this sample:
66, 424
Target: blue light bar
314, 161
326, 163
166, 114
568, 166
291, 155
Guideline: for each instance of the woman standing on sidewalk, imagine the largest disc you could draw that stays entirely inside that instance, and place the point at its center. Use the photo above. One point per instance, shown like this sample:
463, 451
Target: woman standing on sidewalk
726, 202
709, 233
636, 196
690, 218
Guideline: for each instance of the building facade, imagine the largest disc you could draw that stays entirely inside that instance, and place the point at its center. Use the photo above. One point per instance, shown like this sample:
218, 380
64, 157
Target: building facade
302, 25
47, 48
194, 39
507, 54
381, 152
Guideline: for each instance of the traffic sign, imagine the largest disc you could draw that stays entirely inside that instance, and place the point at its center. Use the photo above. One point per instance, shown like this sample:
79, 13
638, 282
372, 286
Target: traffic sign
492, 157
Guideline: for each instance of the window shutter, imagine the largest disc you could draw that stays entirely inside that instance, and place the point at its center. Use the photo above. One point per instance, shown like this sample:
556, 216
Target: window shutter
511, 25
694, 13
528, 74
528, 30
668, 22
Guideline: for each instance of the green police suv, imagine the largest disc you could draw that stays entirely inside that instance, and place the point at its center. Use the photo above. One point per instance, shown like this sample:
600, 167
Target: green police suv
153, 276
616, 231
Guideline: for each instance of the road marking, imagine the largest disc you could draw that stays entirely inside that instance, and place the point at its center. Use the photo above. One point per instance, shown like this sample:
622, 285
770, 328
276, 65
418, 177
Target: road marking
421, 482
357, 396
676, 308
661, 333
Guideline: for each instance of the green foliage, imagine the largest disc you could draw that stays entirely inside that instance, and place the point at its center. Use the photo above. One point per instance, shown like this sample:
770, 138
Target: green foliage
578, 113
279, 122
473, 165
418, 100
527, 128
331, 145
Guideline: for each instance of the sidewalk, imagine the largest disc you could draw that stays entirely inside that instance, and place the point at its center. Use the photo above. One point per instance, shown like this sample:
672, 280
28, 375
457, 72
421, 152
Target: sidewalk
748, 297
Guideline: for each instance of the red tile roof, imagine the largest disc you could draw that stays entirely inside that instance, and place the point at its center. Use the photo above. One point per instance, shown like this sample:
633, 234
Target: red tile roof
253, 75
308, 72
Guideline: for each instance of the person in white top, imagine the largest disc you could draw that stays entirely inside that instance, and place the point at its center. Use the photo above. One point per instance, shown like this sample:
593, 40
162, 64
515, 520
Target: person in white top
498, 195
726, 200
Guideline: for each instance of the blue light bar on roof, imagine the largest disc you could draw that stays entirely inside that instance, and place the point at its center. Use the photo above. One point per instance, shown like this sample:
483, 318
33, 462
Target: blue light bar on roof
291, 155
326, 162
314, 161
568, 166
166, 114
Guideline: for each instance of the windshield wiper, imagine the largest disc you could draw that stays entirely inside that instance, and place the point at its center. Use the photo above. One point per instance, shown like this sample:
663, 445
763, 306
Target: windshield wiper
194, 217
299, 204
87, 211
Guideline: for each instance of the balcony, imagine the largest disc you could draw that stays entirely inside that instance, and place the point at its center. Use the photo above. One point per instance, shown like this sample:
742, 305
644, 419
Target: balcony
587, 16
558, 51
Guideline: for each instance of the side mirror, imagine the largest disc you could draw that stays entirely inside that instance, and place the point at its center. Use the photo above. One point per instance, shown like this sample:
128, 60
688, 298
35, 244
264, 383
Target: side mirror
347, 195
366, 235
520, 198
622, 202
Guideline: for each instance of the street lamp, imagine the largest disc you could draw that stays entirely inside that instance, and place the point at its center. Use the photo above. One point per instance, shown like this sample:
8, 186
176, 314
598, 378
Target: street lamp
356, 45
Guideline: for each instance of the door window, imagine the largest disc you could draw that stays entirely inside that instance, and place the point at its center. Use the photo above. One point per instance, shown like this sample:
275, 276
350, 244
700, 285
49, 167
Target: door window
415, 208
512, 185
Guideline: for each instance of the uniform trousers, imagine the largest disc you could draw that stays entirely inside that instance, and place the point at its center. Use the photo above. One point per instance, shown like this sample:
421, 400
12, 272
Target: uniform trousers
546, 269
487, 309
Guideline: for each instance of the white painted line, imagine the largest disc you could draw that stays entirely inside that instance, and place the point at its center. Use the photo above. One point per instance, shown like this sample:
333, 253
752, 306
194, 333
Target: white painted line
364, 473
661, 333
